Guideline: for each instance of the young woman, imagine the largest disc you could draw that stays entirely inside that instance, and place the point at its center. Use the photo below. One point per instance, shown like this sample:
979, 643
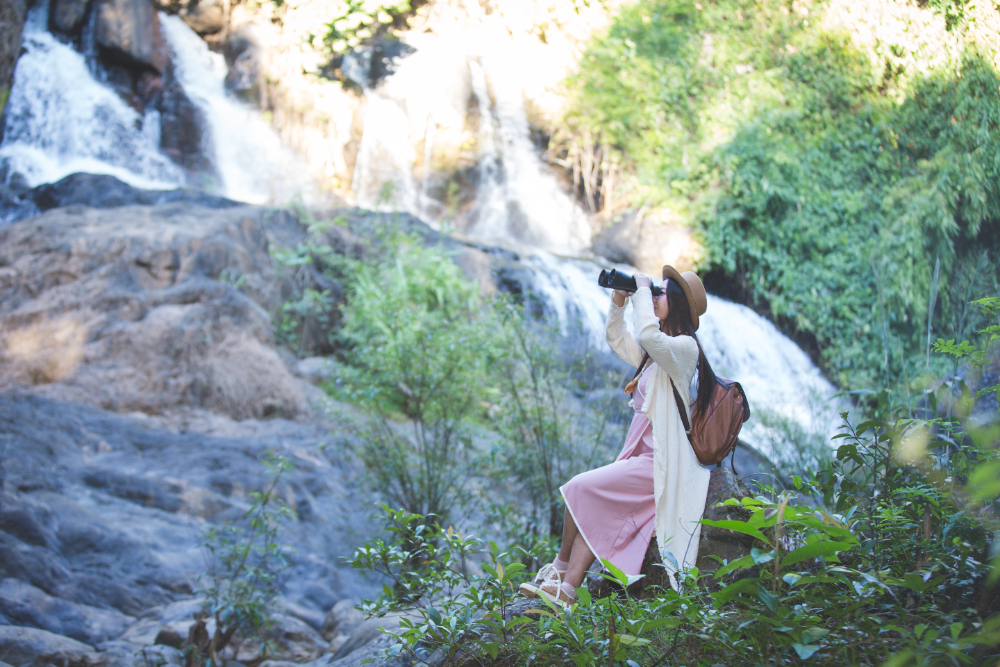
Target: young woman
656, 486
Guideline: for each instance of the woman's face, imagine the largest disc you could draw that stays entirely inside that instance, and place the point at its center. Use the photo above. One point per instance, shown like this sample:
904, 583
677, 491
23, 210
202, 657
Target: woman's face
660, 303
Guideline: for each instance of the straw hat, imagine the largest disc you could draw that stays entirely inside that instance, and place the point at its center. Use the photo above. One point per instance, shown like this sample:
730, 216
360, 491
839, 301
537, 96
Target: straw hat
693, 290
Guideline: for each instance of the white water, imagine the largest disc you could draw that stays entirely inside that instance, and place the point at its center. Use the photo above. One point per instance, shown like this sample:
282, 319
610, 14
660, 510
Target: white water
520, 202
60, 120
247, 153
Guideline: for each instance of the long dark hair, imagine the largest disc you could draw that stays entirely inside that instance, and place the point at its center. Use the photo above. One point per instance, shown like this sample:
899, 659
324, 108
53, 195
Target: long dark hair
679, 323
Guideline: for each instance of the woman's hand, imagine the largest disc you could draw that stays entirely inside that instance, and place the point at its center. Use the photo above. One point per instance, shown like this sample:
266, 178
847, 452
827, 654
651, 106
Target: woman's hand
619, 297
642, 280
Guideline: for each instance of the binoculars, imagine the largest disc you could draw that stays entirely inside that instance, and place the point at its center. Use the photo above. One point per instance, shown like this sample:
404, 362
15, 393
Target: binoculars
614, 279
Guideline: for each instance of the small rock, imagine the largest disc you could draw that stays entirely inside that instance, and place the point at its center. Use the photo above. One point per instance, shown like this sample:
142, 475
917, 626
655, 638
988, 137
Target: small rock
162, 655
342, 619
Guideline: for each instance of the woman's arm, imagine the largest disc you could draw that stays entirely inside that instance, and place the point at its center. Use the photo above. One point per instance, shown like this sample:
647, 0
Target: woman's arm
617, 335
672, 353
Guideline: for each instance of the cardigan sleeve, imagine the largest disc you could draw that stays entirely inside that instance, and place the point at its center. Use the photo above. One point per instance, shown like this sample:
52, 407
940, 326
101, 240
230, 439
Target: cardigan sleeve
620, 340
678, 355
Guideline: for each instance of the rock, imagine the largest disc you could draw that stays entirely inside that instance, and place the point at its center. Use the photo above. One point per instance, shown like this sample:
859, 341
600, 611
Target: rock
343, 619
130, 309
647, 241
291, 641
105, 191
316, 370
244, 53
128, 31
21, 646
66, 16
726, 544
12, 16
368, 632
23, 604
205, 17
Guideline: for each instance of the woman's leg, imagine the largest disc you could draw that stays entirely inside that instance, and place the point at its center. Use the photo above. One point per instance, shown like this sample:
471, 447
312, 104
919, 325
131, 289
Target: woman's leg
570, 531
579, 561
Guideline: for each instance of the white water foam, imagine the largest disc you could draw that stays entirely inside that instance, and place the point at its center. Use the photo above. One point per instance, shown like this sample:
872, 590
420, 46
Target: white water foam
246, 151
60, 120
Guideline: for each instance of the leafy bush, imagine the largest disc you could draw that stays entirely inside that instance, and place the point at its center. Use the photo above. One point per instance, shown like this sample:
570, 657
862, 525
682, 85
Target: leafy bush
419, 345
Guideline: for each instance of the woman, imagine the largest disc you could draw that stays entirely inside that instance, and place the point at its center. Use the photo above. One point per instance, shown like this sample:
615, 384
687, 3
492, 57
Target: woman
656, 485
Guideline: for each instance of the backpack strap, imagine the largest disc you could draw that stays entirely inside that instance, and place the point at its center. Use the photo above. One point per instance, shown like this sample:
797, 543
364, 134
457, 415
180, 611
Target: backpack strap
681, 409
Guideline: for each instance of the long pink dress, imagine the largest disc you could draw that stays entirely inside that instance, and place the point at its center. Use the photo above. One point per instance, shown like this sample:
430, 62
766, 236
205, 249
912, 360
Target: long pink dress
613, 506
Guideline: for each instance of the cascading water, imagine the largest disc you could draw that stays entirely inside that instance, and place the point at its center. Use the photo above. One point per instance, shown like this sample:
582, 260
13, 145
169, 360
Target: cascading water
519, 203
247, 153
60, 120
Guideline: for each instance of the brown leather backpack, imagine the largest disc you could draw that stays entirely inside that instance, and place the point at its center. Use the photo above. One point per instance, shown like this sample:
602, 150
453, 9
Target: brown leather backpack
714, 434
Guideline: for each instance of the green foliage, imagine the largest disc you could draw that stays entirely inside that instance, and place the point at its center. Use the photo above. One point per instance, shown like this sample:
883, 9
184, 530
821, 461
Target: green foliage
824, 189
871, 579
419, 345
354, 21
245, 564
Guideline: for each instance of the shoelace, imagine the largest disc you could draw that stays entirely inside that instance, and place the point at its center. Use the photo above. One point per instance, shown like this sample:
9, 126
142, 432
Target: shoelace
548, 574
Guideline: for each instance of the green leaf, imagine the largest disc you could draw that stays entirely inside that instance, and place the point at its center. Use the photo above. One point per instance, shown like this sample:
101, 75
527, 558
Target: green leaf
769, 599
760, 557
805, 651
616, 574
734, 589
814, 549
738, 526
632, 640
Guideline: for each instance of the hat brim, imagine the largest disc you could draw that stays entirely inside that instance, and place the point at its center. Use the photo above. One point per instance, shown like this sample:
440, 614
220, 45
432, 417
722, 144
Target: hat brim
671, 273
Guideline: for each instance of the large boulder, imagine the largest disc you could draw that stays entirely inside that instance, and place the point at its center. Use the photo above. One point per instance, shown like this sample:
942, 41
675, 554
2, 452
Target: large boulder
23, 604
128, 31
720, 542
22, 646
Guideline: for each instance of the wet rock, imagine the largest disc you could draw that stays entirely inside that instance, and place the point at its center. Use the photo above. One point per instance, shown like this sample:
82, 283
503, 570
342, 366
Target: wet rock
128, 31
105, 191
66, 16
12, 16
726, 544
647, 242
22, 646
244, 54
23, 604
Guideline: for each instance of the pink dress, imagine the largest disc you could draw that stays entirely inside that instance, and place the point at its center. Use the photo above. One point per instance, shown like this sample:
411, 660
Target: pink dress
613, 506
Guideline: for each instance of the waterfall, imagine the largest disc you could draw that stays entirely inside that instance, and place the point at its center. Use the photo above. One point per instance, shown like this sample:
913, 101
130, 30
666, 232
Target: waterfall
60, 120
247, 153
519, 201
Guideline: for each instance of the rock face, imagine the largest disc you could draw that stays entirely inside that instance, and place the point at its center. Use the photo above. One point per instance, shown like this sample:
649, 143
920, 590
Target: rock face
66, 16
130, 309
129, 31
12, 15
720, 542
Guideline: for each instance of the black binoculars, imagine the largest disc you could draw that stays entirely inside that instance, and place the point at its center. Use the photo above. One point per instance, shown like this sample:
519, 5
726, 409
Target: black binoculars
614, 279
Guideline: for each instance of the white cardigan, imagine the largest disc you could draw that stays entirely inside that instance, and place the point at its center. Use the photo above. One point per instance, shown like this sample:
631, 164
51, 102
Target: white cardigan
680, 482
